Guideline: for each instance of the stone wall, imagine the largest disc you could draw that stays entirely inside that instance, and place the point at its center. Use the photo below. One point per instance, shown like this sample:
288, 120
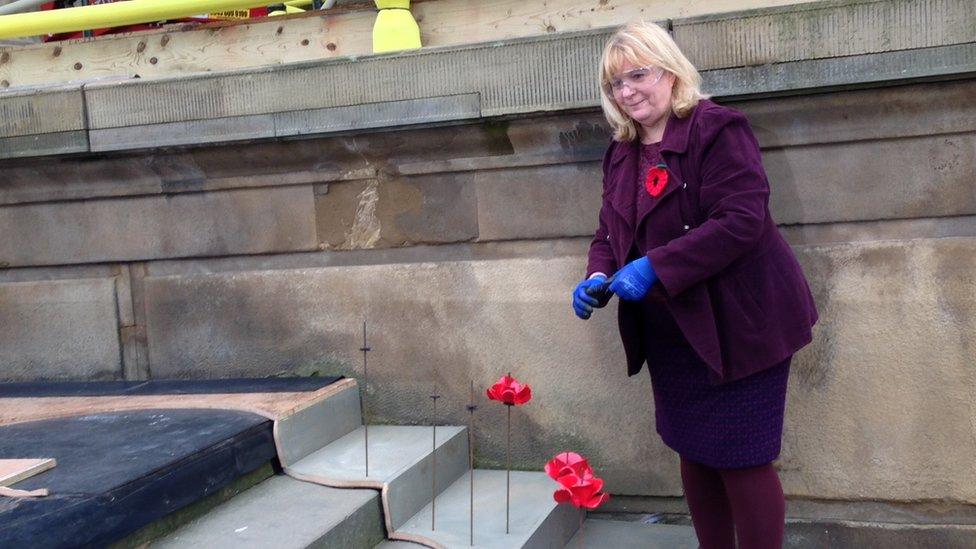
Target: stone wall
461, 244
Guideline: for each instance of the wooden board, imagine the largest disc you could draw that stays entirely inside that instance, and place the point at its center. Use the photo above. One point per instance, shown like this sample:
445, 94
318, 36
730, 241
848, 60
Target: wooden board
324, 35
16, 470
270, 405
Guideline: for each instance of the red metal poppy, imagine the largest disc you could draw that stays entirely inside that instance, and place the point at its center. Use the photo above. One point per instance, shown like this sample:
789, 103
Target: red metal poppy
582, 491
657, 180
510, 392
567, 463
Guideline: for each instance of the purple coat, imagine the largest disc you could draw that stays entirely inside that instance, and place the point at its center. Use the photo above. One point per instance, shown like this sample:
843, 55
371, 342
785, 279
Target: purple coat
728, 277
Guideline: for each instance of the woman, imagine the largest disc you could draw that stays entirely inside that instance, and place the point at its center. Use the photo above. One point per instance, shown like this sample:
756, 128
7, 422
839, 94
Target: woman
712, 297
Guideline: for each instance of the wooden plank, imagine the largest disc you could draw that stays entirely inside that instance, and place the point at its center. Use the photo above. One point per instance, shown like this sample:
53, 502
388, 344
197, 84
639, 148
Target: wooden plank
15, 470
316, 36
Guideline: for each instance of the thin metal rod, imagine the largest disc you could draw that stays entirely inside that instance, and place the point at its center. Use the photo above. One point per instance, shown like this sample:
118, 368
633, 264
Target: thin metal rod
471, 409
582, 542
362, 402
433, 461
508, 470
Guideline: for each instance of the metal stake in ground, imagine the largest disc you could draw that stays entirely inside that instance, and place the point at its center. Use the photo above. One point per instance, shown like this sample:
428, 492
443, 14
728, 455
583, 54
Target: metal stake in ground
362, 401
508, 468
471, 409
433, 461
508, 465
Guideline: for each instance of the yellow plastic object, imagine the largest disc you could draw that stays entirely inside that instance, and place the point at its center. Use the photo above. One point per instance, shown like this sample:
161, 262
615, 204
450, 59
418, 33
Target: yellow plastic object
112, 15
395, 28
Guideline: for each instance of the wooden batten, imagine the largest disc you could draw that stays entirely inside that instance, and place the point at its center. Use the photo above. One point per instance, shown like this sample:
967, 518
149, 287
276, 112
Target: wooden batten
314, 36
13, 471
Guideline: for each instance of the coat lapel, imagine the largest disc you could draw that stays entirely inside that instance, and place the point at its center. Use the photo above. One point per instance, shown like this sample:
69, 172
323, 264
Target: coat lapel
624, 171
675, 140
646, 203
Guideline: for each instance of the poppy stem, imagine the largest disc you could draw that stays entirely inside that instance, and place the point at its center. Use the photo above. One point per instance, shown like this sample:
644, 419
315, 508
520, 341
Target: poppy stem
433, 462
508, 470
471, 408
582, 541
362, 401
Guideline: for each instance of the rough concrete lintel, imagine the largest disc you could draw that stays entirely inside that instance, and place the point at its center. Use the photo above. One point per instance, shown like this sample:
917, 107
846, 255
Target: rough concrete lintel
378, 115
454, 165
44, 144
193, 132
52, 110
857, 71
291, 178
822, 29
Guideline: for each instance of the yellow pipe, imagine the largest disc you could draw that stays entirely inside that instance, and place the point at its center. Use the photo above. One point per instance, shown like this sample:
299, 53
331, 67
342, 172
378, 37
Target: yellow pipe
289, 9
112, 15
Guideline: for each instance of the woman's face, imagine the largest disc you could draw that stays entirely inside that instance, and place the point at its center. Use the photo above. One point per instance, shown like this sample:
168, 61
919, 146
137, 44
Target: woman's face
644, 94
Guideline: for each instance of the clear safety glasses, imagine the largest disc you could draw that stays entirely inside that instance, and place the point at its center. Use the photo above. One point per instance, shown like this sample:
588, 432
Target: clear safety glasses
642, 76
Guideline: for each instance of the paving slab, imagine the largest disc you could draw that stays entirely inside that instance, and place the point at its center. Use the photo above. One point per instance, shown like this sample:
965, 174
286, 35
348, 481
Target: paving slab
614, 534
536, 520
286, 513
400, 465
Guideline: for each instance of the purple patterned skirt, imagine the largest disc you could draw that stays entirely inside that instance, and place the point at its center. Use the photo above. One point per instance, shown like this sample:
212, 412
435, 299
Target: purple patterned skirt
729, 426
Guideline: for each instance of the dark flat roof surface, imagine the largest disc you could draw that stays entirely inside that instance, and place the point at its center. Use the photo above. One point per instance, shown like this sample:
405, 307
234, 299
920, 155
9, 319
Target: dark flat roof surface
117, 472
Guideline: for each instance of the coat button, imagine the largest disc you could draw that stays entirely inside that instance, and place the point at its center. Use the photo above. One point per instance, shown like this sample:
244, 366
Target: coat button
684, 185
687, 227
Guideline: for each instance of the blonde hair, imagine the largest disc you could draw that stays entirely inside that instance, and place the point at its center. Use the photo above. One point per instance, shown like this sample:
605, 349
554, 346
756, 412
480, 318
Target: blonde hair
643, 44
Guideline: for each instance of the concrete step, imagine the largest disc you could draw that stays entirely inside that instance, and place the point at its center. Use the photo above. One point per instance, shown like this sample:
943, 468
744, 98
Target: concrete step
615, 534
400, 465
536, 520
283, 512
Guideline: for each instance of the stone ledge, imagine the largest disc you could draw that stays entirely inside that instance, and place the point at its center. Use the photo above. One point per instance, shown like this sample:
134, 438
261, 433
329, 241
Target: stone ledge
774, 50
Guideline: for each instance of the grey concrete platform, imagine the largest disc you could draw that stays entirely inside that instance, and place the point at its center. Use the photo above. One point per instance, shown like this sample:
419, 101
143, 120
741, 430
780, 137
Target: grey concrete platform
616, 534
400, 464
536, 520
283, 512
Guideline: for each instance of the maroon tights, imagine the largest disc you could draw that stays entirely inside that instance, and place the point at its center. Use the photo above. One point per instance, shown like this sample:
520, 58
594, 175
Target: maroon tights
726, 503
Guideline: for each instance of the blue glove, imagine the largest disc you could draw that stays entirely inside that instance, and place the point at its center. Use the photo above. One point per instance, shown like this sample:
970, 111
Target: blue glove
590, 293
633, 281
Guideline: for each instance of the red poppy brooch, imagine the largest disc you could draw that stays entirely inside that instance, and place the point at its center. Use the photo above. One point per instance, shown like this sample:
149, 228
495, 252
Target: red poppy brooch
657, 179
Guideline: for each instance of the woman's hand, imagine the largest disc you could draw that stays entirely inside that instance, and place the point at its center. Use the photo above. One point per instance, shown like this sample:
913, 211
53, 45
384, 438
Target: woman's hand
590, 293
633, 281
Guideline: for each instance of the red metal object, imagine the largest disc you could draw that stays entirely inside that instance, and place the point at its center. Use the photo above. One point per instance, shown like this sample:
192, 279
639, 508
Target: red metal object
232, 15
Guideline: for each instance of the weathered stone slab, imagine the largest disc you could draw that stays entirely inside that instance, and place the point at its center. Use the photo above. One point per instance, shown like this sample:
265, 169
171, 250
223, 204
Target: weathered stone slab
65, 179
822, 30
931, 108
929, 176
888, 378
43, 144
388, 114
545, 201
61, 329
198, 224
881, 405
190, 132
53, 110
405, 211
841, 72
